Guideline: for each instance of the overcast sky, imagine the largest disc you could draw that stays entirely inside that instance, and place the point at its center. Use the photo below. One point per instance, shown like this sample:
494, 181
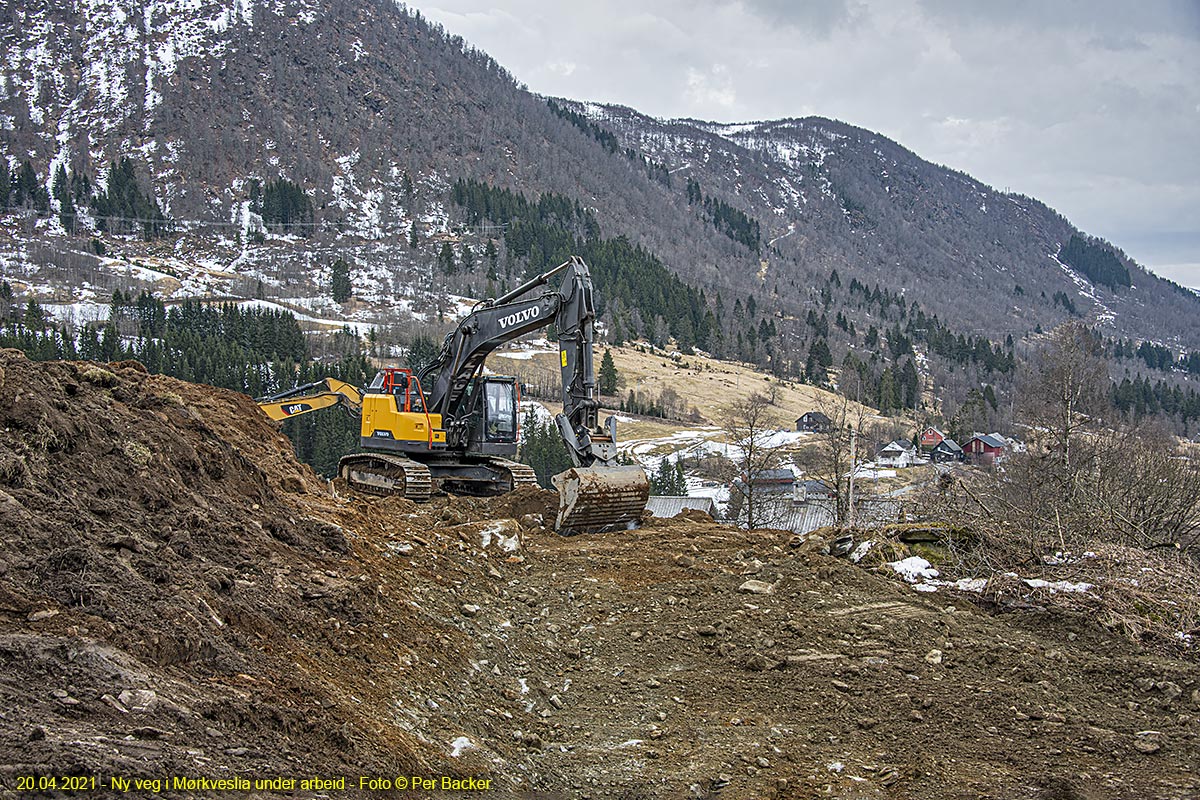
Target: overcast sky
1092, 106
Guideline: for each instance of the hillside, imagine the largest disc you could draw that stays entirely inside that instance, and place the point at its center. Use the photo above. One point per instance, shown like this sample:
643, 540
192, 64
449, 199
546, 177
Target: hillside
373, 114
180, 597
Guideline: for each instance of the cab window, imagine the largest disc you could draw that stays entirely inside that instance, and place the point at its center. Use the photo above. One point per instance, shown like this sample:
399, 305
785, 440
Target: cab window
501, 416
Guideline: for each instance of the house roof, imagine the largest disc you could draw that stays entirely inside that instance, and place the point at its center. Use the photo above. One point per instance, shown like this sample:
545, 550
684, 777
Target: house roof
949, 444
782, 475
817, 487
933, 429
661, 506
897, 445
991, 440
816, 416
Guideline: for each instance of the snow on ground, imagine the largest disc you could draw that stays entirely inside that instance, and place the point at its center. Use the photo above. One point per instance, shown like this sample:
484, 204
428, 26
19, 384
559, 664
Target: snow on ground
1086, 289
359, 328
913, 569
79, 313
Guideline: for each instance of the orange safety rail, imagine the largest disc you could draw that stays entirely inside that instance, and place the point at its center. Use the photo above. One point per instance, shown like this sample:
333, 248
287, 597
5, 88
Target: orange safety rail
424, 407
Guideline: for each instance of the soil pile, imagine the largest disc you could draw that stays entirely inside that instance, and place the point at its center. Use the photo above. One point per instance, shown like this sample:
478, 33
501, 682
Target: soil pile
179, 596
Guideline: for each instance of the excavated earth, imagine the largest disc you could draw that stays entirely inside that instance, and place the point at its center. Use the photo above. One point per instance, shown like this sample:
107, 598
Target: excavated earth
180, 597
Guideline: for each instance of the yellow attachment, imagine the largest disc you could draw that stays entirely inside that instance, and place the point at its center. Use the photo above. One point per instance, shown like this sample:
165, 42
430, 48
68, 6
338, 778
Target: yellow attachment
335, 393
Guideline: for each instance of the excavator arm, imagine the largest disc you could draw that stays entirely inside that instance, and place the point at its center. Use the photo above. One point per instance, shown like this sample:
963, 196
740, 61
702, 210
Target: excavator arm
496, 322
313, 397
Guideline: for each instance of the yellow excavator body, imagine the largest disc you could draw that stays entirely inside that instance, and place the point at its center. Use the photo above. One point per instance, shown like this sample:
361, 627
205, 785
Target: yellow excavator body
381, 418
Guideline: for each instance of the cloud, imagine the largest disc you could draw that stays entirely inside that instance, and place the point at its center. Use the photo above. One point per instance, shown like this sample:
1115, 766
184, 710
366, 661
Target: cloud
564, 68
712, 90
1088, 105
818, 16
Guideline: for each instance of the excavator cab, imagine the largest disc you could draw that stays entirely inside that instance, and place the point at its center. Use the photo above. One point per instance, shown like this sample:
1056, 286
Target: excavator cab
491, 404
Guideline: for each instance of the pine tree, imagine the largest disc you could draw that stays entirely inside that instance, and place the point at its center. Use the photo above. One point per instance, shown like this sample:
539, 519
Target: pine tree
493, 257
468, 259
340, 285
446, 259
5, 183
412, 237
608, 374
421, 352
542, 448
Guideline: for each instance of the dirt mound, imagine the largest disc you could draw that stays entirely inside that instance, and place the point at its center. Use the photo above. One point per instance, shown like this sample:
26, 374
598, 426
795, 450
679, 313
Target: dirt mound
179, 596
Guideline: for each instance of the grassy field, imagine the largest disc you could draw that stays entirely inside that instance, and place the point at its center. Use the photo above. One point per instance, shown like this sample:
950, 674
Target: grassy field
706, 384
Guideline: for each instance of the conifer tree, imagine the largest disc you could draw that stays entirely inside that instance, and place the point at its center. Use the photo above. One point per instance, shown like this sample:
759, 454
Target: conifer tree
608, 374
446, 259
340, 285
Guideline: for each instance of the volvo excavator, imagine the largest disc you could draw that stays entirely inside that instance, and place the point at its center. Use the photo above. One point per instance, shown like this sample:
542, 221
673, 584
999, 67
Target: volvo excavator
450, 427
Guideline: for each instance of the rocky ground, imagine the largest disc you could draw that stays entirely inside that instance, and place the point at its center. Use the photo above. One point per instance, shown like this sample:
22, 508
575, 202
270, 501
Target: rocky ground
179, 597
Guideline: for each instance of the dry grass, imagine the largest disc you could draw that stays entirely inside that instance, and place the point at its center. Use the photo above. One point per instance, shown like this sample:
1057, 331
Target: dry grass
706, 383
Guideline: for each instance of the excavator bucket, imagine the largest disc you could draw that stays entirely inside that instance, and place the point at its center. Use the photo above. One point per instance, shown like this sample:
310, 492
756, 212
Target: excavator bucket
594, 499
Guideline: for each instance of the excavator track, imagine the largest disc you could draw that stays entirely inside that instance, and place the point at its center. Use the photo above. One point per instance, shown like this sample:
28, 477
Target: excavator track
481, 477
522, 474
387, 476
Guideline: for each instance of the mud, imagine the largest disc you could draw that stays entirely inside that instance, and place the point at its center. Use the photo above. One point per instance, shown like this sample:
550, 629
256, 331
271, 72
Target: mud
179, 596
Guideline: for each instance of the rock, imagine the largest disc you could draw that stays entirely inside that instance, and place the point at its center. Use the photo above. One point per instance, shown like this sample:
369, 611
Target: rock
494, 573
707, 630
933, 657
684, 561
532, 741
148, 732
469, 609
530, 521
762, 762
400, 548
138, 700
756, 662
113, 703
889, 777
1147, 746
866, 723
37, 734
756, 587
1170, 691
635, 635
841, 686
653, 683
46, 613
556, 701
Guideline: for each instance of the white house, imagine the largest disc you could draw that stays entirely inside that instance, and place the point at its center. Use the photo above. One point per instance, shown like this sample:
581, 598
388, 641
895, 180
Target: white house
897, 454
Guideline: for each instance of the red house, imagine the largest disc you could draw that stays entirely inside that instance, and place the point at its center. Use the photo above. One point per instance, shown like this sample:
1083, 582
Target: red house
931, 437
986, 447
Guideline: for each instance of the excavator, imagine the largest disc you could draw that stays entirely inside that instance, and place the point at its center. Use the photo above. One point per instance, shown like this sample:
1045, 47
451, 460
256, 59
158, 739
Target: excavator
450, 427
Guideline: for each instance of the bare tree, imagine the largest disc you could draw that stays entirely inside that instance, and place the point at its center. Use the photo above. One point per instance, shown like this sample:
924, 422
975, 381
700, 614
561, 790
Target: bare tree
845, 445
749, 425
1064, 394
1065, 390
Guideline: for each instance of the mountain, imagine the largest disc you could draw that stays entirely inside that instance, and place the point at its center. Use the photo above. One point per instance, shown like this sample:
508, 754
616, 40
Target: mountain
371, 114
